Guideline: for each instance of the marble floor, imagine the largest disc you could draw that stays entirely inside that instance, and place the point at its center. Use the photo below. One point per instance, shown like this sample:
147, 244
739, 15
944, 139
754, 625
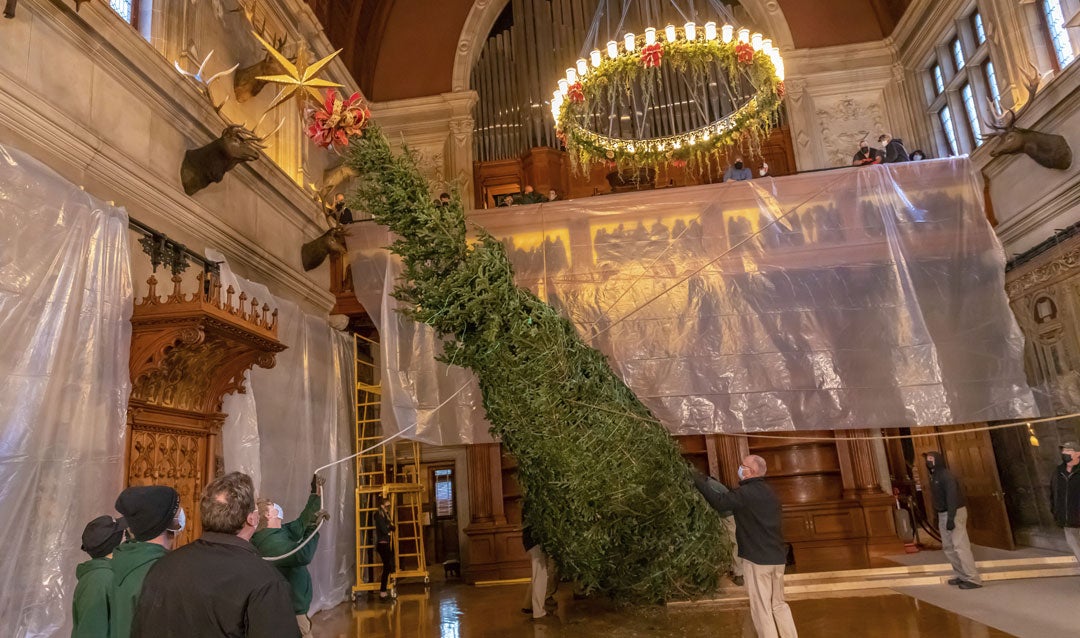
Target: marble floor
455, 610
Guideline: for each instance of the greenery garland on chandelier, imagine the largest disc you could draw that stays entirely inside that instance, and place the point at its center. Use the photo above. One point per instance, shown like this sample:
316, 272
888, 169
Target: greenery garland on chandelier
615, 76
608, 494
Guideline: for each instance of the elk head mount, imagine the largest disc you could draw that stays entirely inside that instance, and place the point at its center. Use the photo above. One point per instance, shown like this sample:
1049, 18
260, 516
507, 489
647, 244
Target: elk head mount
237, 144
246, 82
315, 252
1048, 149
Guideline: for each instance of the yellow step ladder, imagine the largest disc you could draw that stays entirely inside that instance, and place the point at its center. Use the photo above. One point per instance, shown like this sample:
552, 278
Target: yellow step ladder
392, 471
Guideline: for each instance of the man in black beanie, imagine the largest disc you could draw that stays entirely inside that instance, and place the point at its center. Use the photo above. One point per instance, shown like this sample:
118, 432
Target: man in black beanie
154, 517
218, 586
90, 611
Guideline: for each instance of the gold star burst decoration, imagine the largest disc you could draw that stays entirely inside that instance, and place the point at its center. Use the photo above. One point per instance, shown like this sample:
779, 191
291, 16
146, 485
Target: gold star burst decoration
300, 77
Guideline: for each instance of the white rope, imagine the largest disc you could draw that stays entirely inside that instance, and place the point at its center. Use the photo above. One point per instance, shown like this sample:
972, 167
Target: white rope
298, 547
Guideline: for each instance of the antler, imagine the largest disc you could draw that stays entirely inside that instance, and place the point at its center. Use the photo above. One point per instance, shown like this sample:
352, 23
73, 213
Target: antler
204, 84
1005, 120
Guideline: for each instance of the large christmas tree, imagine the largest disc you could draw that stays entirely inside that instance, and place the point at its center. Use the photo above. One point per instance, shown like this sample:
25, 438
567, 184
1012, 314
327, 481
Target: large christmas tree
609, 496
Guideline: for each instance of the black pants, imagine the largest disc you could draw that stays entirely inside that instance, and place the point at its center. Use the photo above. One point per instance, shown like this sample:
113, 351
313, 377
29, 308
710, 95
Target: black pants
387, 556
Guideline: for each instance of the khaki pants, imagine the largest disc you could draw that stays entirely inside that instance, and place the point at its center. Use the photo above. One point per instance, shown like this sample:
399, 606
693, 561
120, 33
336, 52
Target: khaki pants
771, 615
305, 625
736, 563
1072, 537
537, 591
957, 546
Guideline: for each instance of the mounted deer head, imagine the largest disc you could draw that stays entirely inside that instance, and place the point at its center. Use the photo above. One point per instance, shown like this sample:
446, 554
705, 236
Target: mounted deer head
1049, 150
315, 252
246, 82
208, 164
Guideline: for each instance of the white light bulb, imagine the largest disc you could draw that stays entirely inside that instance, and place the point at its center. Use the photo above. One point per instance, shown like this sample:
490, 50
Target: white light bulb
775, 56
669, 32
613, 49
582, 67
628, 42
710, 31
755, 41
571, 76
556, 97
564, 86
766, 47
744, 35
779, 70
727, 33
595, 57
650, 36
691, 31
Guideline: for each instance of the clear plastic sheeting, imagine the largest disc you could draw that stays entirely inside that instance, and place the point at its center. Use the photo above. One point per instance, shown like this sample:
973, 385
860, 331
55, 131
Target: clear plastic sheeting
855, 298
295, 417
443, 402
65, 310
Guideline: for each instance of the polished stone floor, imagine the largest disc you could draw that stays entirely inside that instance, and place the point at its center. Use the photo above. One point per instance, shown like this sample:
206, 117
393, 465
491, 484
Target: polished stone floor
452, 610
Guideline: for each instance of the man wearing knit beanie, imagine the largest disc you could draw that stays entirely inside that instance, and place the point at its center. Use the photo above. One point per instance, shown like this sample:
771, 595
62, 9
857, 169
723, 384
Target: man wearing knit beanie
154, 517
90, 611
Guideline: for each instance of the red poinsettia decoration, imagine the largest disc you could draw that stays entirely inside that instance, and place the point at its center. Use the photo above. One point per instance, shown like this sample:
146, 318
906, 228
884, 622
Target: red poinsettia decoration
678, 163
744, 52
575, 92
651, 55
337, 120
780, 90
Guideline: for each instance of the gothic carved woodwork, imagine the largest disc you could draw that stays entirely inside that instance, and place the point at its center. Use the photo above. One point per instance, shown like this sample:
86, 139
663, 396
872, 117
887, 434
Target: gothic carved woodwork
187, 352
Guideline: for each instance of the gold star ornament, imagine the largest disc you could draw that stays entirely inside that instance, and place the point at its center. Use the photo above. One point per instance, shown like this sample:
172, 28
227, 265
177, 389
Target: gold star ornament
299, 77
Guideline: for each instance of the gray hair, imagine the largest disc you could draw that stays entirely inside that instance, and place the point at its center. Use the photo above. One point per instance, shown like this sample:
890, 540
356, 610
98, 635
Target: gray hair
757, 463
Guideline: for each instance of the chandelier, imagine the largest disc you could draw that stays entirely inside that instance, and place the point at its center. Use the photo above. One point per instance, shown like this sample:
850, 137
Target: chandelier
618, 106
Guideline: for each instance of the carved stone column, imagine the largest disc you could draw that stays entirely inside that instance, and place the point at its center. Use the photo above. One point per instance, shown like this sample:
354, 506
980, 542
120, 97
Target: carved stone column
187, 353
459, 151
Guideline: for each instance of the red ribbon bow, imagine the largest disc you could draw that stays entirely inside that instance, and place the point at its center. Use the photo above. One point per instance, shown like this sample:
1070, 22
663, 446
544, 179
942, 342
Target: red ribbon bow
651, 55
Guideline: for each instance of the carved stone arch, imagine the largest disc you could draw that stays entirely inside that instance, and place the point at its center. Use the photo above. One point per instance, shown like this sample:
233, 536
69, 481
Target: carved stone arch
766, 13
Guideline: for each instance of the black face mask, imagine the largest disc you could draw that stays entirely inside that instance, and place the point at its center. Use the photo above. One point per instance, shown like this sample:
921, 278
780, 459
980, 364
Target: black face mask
930, 466
339, 205
1067, 458
738, 165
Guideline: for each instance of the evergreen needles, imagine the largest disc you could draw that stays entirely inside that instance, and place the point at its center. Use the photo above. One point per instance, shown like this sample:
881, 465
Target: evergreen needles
609, 496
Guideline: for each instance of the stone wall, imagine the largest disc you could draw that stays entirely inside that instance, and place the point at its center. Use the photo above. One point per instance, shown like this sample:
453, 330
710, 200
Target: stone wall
101, 103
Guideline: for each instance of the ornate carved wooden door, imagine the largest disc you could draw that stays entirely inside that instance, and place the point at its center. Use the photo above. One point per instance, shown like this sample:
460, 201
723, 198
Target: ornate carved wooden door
175, 458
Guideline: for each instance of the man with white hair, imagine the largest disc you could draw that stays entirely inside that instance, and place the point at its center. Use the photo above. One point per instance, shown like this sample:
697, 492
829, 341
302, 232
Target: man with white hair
761, 545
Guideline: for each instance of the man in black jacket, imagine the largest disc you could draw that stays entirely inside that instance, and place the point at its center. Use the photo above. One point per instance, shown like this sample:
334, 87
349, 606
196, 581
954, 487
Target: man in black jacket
1065, 495
761, 545
951, 507
894, 149
218, 585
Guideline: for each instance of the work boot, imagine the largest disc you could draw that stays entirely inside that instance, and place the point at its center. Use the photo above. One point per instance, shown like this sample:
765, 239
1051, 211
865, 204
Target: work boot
955, 581
966, 585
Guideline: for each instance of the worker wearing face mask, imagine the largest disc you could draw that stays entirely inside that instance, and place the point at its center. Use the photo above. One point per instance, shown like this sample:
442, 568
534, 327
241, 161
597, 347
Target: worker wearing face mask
273, 537
761, 545
949, 503
738, 172
154, 518
1065, 495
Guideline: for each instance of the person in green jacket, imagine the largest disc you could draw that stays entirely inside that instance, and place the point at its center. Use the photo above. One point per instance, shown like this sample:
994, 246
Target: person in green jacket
154, 518
274, 538
90, 611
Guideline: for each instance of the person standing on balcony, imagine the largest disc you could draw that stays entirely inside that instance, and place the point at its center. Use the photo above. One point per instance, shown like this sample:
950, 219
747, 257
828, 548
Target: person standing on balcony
866, 155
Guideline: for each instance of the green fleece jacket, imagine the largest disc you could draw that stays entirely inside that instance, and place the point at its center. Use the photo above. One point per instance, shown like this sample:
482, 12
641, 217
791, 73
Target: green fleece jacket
275, 542
130, 563
90, 611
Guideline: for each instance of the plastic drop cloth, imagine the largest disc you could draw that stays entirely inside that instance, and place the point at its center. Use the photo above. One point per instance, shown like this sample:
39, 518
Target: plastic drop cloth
295, 417
65, 310
856, 298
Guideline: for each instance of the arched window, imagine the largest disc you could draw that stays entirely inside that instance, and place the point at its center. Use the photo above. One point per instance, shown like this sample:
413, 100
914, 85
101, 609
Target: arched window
127, 9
